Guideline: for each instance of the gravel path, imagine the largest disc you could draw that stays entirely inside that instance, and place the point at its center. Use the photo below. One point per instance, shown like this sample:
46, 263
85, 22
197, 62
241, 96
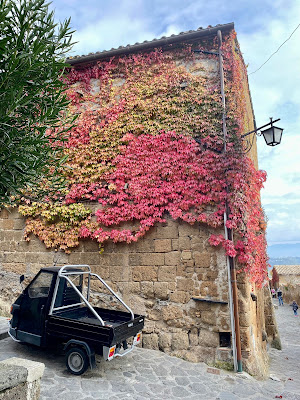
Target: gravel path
149, 374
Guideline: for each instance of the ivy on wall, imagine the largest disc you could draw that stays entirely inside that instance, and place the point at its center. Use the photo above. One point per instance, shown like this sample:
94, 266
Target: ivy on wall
148, 142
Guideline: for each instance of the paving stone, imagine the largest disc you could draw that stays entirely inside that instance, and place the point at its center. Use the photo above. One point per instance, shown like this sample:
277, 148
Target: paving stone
197, 388
180, 392
182, 380
227, 396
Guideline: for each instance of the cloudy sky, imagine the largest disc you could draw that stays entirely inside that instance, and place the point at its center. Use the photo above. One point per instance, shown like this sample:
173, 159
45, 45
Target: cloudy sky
262, 26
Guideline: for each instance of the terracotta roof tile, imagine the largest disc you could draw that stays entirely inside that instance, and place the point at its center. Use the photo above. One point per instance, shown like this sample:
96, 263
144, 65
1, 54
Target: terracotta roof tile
287, 269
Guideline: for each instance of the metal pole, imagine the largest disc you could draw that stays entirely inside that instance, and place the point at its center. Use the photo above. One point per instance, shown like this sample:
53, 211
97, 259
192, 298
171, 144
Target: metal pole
233, 297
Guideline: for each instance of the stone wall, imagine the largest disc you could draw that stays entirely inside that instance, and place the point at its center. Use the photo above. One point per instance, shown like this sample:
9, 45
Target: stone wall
158, 277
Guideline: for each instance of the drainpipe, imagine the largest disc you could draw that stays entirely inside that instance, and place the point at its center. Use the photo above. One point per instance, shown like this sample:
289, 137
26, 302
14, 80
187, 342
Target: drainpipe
232, 282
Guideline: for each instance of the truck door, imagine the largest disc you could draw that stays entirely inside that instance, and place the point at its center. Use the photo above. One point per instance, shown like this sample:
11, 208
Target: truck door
33, 309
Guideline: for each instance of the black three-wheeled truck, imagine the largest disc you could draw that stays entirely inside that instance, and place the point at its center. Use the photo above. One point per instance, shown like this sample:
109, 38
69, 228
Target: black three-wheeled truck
55, 307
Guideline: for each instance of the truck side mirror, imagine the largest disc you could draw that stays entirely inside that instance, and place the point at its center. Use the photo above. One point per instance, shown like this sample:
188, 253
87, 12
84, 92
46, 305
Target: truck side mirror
22, 277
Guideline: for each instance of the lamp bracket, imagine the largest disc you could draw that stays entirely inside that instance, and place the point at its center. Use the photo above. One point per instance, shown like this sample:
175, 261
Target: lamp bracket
258, 129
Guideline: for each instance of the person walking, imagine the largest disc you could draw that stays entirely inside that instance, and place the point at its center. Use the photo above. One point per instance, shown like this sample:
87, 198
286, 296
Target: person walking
279, 295
295, 308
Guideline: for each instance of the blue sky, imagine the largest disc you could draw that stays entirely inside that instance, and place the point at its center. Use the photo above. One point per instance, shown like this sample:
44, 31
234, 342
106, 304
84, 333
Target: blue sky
262, 26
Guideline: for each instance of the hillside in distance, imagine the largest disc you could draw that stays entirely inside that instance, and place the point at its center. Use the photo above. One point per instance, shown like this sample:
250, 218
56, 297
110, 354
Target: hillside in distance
284, 254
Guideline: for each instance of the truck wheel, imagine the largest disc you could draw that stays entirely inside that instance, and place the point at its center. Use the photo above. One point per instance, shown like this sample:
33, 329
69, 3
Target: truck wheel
77, 360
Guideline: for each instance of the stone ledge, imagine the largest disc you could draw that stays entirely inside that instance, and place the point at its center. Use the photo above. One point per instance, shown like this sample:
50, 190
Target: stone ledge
11, 375
20, 379
34, 369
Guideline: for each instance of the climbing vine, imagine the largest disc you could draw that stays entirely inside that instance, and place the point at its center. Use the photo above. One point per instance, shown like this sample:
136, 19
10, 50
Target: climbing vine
148, 143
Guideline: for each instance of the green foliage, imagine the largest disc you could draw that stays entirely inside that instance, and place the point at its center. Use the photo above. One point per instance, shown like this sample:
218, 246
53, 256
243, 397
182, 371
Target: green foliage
226, 365
32, 98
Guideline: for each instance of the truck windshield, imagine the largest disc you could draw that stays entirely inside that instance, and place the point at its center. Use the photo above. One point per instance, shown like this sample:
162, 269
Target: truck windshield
40, 286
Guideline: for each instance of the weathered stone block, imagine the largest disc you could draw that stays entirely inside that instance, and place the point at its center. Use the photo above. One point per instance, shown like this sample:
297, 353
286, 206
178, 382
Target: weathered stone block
186, 229
208, 288
188, 265
147, 289
208, 317
7, 224
144, 273
166, 274
134, 287
224, 354
43, 258
186, 255
154, 315
149, 326
116, 259
90, 246
194, 339
171, 312
18, 268
172, 258
18, 224
211, 275
179, 296
76, 258
175, 244
167, 232
185, 284
162, 245
145, 245
161, 290
180, 341
4, 213
164, 340
208, 338
152, 259
101, 270
202, 260
224, 324
244, 319
205, 354
197, 244
150, 341
184, 243
119, 273
134, 259
245, 338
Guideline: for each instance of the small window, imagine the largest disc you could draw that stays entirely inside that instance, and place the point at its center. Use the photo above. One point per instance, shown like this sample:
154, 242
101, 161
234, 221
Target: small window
40, 286
225, 339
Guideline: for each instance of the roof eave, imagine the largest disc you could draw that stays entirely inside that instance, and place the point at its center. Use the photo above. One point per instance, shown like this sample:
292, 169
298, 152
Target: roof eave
163, 42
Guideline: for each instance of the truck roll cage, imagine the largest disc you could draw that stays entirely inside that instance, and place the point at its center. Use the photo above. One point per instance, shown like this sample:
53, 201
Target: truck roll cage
68, 270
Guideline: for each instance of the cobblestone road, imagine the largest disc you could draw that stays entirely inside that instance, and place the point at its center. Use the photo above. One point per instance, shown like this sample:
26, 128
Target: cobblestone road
148, 374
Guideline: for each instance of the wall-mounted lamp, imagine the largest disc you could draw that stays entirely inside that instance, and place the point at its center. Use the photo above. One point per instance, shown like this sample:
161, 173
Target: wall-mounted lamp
272, 134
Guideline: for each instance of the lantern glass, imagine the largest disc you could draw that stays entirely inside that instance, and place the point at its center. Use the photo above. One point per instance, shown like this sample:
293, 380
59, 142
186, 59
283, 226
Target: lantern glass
272, 135
277, 134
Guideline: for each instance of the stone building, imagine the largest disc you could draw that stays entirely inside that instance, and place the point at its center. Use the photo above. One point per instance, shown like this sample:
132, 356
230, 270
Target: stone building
288, 274
171, 274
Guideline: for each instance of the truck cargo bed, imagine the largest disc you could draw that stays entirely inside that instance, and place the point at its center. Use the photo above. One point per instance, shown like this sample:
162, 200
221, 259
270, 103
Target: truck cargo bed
80, 323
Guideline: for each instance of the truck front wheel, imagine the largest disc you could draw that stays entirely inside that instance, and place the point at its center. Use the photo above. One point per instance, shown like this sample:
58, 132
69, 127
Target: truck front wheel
77, 360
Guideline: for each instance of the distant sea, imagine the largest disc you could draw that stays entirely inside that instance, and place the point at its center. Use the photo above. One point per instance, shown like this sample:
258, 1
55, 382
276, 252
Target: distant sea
284, 254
